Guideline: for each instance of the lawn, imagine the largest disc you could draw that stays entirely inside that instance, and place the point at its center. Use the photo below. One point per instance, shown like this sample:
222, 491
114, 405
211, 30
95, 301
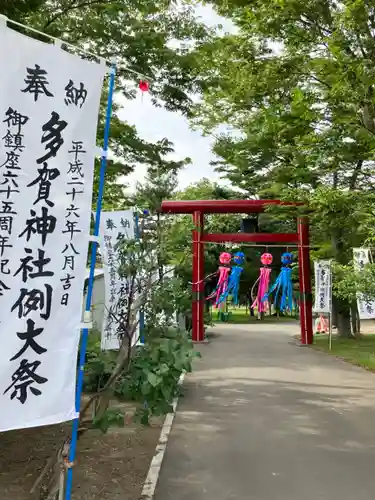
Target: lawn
358, 352
240, 315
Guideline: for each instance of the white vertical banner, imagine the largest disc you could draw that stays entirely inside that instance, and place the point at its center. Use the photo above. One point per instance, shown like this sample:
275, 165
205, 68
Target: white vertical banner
323, 286
114, 227
49, 103
366, 308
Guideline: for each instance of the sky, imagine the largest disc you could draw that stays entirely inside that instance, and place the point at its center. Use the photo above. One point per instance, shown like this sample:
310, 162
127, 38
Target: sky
154, 124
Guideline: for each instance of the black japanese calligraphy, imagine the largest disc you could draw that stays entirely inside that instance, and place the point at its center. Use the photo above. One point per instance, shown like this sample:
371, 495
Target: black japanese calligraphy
74, 95
29, 338
24, 379
65, 299
73, 193
71, 247
112, 268
14, 119
33, 268
11, 161
46, 175
72, 227
72, 211
68, 262
13, 141
110, 224
34, 300
4, 269
4, 243
9, 185
8, 191
125, 223
67, 281
42, 225
75, 166
6, 222
3, 287
52, 136
36, 82
7, 207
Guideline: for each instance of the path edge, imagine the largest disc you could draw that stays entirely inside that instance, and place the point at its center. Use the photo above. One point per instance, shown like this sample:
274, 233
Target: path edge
152, 477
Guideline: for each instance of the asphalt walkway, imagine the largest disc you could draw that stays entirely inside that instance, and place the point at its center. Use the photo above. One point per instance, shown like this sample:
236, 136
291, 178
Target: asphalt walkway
263, 419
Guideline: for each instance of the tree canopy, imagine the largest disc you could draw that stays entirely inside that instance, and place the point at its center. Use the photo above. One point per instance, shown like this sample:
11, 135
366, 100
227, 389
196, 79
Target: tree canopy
294, 87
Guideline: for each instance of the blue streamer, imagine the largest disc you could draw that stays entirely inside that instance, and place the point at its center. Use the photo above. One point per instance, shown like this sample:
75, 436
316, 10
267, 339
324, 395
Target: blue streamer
234, 279
283, 285
85, 331
233, 285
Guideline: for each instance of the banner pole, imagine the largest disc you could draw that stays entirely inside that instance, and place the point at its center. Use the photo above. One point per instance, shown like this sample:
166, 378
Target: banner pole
87, 313
330, 331
330, 306
141, 311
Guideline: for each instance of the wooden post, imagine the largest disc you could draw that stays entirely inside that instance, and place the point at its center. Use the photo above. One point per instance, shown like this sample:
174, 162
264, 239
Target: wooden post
198, 277
305, 281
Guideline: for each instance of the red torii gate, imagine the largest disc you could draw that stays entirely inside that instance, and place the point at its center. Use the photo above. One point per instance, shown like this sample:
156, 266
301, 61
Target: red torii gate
300, 239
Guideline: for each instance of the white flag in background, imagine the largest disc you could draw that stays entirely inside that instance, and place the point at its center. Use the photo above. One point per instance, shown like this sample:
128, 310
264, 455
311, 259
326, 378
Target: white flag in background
366, 308
323, 286
114, 226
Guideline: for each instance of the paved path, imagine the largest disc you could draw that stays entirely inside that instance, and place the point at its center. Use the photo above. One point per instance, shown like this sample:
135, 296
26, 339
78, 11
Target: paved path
263, 419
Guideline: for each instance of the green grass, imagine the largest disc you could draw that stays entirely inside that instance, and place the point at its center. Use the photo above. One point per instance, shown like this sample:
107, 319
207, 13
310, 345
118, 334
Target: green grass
239, 315
358, 352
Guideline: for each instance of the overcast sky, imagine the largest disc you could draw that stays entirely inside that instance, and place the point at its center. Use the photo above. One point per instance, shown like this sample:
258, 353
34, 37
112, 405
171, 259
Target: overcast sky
154, 124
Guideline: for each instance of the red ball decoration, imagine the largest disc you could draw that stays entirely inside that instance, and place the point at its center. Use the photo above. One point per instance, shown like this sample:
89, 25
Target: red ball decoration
225, 258
144, 86
266, 259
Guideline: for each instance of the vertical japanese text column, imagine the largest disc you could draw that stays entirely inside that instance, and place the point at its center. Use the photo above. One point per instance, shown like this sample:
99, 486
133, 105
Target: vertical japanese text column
198, 283
305, 281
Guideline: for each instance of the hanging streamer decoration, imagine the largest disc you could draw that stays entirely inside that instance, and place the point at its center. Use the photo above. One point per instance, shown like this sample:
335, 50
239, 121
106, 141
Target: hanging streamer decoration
263, 283
283, 286
234, 279
222, 282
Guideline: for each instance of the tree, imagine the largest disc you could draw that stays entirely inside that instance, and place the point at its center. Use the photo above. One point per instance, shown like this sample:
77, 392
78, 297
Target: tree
139, 36
296, 85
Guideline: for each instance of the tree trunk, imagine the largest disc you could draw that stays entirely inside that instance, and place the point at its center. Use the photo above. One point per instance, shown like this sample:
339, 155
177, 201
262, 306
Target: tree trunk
342, 306
334, 318
343, 318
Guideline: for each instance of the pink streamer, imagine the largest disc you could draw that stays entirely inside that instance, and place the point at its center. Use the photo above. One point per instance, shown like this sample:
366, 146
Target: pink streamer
222, 284
264, 282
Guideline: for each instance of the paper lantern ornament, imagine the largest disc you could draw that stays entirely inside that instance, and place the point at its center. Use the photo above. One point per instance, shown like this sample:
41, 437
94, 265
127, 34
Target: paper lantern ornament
286, 259
239, 258
266, 259
225, 258
144, 86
